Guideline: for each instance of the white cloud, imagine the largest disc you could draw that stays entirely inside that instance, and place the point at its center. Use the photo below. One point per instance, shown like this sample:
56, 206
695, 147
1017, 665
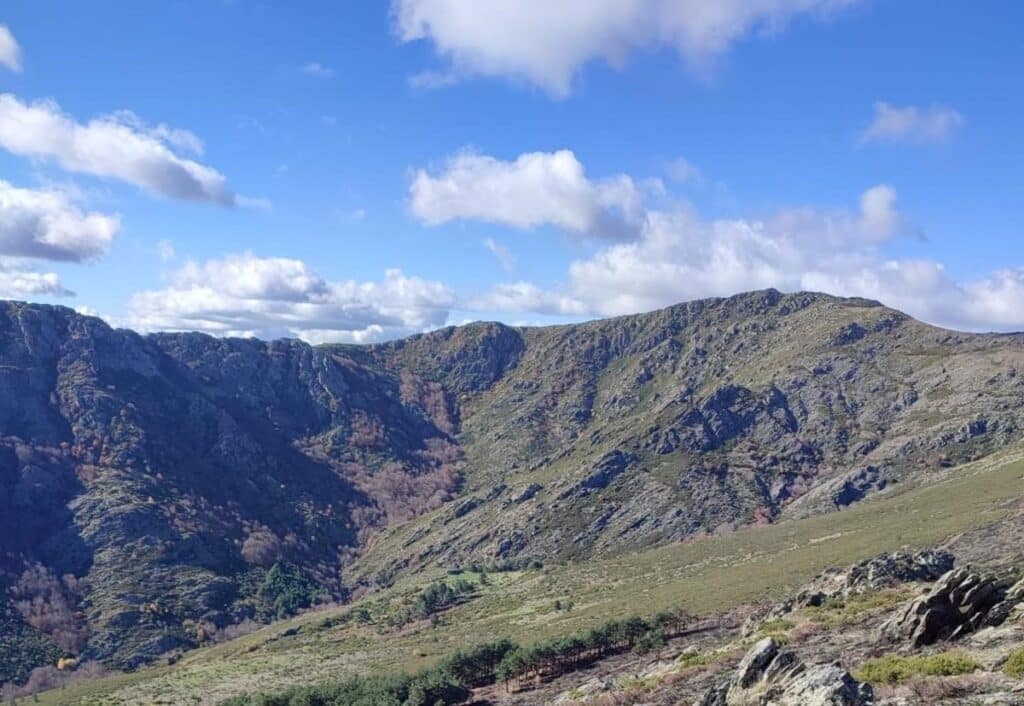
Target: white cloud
538, 188
16, 282
547, 43
243, 295
681, 256
10, 52
504, 256
318, 70
526, 296
934, 123
47, 225
176, 137
116, 146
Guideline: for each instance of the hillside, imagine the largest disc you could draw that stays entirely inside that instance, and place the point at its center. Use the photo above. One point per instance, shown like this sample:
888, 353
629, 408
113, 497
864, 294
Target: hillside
155, 491
975, 511
620, 434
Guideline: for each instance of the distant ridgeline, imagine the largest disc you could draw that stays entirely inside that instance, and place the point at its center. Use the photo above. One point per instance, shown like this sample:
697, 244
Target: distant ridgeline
157, 492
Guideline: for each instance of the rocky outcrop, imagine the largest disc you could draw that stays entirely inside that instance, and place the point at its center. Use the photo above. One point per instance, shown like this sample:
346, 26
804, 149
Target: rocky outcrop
884, 571
769, 676
1010, 608
171, 466
607, 469
162, 474
960, 602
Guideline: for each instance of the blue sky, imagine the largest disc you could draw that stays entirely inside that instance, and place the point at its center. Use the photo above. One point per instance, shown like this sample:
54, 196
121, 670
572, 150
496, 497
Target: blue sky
359, 171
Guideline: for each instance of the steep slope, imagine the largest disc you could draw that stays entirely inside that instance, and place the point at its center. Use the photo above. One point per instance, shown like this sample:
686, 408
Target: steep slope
617, 434
154, 490
711, 578
146, 484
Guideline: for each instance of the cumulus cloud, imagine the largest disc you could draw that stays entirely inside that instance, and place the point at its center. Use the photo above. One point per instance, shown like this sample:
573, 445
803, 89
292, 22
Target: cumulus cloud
546, 44
245, 295
117, 146
17, 282
528, 297
537, 188
47, 225
681, 256
935, 123
10, 52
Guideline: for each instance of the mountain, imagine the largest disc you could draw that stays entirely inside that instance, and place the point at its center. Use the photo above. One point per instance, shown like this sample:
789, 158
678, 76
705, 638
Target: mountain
157, 489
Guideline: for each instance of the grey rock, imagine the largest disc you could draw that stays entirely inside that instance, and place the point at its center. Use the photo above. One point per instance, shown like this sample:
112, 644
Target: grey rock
883, 571
768, 676
957, 604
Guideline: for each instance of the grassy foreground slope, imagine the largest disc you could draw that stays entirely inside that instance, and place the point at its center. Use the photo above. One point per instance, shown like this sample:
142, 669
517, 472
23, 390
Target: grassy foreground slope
704, 576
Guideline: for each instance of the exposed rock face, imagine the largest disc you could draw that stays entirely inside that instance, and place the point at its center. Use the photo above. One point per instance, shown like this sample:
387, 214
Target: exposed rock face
163, 472
884, 571
1010, 608
959, 603
768, 676
728, 411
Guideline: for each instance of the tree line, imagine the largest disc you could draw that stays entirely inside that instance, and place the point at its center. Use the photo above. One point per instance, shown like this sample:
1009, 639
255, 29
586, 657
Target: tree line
452, 679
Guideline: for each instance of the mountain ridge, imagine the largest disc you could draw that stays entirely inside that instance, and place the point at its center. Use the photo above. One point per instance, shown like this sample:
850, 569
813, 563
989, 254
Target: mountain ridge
167, 475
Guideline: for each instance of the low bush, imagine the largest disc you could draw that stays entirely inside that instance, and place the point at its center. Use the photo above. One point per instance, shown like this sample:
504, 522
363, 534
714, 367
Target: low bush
1014, 665
896, 669
772, 627
432, 687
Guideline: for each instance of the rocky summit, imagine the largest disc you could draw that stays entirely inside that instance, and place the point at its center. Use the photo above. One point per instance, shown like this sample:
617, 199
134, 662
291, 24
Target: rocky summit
159, 491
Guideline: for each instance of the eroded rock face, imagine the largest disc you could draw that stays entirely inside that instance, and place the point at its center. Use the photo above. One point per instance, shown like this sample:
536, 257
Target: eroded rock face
768, 676
883, 571
960, 602
144, 467
1011, 608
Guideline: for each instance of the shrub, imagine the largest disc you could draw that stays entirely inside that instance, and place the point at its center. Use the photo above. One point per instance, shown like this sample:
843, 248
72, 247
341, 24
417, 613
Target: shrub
432, 687
51, 677
261, 548
433, 599
896, 669
286, 590
651, 640
770, 627
49, 605
1014, 665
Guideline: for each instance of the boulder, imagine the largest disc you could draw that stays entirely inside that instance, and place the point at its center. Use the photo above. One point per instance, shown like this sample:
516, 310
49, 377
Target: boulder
1010, 608
768, 676
960, 602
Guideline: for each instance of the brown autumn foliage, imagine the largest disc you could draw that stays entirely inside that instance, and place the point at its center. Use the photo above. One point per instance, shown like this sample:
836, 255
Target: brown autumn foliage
49, 604
50, 677
431, 398
261, 548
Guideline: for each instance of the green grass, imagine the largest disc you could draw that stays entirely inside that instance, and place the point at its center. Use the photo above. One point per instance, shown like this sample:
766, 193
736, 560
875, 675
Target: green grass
896, 669
778, 625
703, 576
839, 613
